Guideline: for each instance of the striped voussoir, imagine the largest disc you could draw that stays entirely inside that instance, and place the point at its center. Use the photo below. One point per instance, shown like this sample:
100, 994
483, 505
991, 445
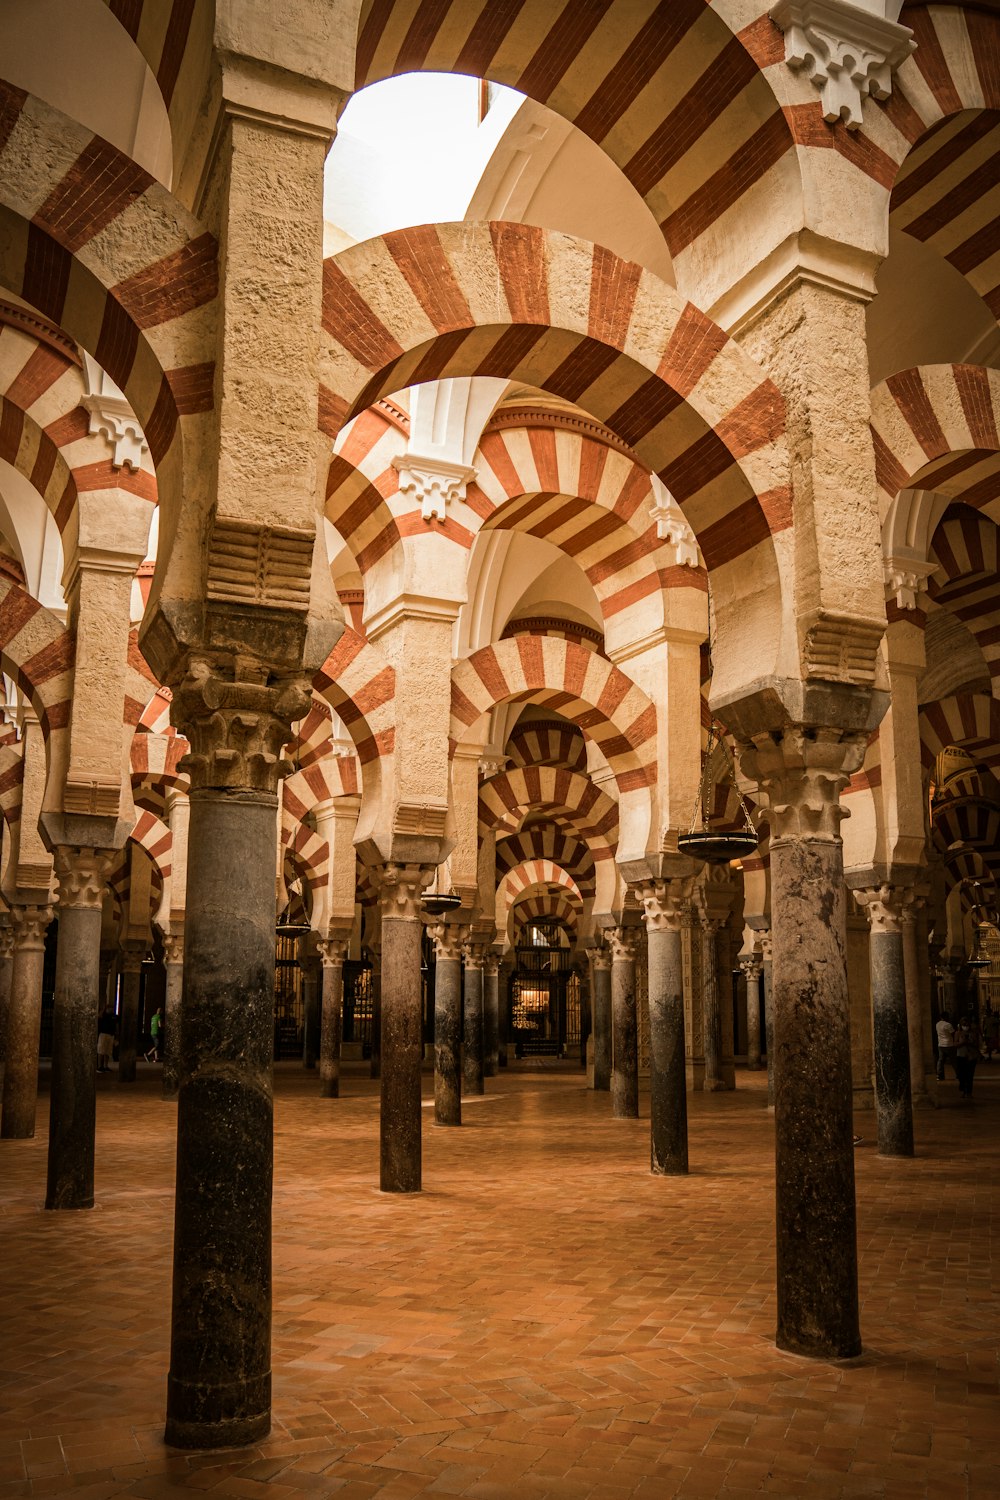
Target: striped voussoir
942, 122
548, 842
562, 314
360, 684
569, 796
155, 839
362, 486
564, 908
590, 500
319, 783
966, 551
155, 717
546, 742
938, 427
101, 249
141, 686
308, 855
155, 767
677, 99
11, 781
971, 822
971, 720
167, 33
571, 680
45, 430
534, 880
38, 652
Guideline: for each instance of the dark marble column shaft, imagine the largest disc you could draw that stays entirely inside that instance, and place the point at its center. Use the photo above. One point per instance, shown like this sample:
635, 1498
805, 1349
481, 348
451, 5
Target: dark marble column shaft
219, 1385
472, 1033
311, 1008
624, 1026
711, 1015
893, 1102
751, 969
24, 1017
601, 961
82, 874
915, 1028
491, 1016
333, 951
767, 981
668, 1138
402, 1028
173, 960
503, 1000
375, 1035
802, 773
6, 974
128, 1019
448, 1028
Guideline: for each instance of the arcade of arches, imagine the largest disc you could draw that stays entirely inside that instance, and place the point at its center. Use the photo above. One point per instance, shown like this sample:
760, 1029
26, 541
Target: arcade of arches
366, 599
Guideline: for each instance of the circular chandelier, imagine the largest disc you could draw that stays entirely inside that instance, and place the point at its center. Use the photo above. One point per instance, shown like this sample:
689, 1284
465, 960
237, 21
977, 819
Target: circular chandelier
717, 846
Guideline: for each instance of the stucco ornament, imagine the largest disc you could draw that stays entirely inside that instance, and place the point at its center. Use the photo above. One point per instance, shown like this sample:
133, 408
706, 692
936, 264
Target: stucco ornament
885, 905
905, 579
846, 51
82, 876
236, 727
664, 903
432, 481
401, 887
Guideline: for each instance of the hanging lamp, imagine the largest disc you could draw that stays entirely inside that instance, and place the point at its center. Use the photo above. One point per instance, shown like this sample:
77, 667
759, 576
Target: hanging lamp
717, 847
435, 903
978, 958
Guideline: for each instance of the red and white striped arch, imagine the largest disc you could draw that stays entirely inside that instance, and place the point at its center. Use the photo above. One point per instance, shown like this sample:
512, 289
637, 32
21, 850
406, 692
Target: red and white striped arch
153, 835
546, 742
175, 39
360, 684
971, 720
533, 879
505, 800
582, 686
674, 95
966, 550
942, 122
936, 427
11, 781
309, 856
45, 430
547, 841
38, 652
362, 486
529, 304
99, 248
562, 908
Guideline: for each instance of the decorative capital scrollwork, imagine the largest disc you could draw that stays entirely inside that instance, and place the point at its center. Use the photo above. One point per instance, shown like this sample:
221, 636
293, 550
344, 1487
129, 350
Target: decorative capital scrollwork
448, 938
766, 944
81, 877
474, 954
622, 941
884, 905
6, 941
236, 725
751, 964
803, 772
173, 948
332, 951
664, 903
30, 924
400, 888
600, 958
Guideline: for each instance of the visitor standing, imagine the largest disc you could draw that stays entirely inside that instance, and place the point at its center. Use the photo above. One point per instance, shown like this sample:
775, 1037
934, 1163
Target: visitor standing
105, 1038
967, 1043
945, 1043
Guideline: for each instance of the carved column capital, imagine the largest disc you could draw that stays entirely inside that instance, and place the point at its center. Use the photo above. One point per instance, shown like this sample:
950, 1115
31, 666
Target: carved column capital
600, 958
332, 951
491, 965
884, 905
474, 954
622, 941
766, 944
449, 939
29, 925
81, 876
173, 948
802, 772
6, 941
400, 888
236, 723
664, 903
846, 51
751, 964
133, 956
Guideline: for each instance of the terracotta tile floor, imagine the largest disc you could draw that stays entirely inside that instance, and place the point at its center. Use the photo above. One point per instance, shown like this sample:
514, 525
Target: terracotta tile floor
546, 1319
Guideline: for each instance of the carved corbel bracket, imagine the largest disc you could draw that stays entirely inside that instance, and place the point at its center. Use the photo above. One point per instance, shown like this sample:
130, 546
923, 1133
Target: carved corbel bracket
432, 481
844, 50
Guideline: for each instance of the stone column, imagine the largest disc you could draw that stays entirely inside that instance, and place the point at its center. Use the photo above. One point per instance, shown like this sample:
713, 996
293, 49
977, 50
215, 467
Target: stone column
883, 905
448, 942
624, 1025
82, 877
586, 1022
503, 998
6, 972
400, 888
802, 773
173, 962
375, 1034
128, 1020
751, 966
764, 938
24, 1017
711, 1014
219, 1385
472, 1037
600, 959
332, 952
663, 903
917, 1022
491, 1015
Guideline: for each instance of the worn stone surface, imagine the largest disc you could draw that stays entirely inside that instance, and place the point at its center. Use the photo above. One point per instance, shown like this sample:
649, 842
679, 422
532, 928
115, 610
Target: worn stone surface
893, 1103
668, 1138
491, 1017
20, 1082
711, 1010
448, 1038
402, 1027
128, 1016
817, 1258
219, 1385
6, 974
625, 1028
332, 953
311, 1012
173, 954
752, 970
602, 1022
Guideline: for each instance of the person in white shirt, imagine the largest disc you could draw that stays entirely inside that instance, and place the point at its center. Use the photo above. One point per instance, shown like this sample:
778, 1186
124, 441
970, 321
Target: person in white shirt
945, 1043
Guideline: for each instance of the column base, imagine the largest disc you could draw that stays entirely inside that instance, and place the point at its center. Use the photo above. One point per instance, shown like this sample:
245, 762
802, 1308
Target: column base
243, 1413
818, 1349
714, 1085
54, 1205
